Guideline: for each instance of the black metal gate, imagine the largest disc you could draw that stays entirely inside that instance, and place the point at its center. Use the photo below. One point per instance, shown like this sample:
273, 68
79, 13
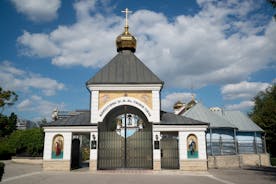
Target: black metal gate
125, 140
75, 154
169, 151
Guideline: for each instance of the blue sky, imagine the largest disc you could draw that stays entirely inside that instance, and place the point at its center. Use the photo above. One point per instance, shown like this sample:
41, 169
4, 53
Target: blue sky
222, 51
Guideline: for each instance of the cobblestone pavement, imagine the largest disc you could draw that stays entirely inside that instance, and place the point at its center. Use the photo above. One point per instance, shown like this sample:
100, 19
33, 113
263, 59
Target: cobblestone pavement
28, 174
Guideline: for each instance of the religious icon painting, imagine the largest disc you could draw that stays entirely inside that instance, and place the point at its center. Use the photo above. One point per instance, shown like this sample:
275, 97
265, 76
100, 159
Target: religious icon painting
57, 147
192, 146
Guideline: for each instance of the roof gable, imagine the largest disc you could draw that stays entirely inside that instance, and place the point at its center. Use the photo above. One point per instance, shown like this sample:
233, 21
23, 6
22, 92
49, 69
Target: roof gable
168, 118
82, 119
241, 121
201, 113
125, 68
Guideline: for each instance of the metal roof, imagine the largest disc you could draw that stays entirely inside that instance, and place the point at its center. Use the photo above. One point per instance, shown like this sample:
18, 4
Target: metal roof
240, 120
202, 113
82, 119
168, 118
125, 68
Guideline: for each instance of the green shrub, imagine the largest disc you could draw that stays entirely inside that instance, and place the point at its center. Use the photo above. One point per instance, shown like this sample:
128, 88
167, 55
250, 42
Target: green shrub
2, 167
6, 150
27, 142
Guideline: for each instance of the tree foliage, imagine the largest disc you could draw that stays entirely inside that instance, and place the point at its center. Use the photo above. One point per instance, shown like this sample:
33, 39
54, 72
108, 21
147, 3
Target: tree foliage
7, 124
264, 114
7, 98
28, 142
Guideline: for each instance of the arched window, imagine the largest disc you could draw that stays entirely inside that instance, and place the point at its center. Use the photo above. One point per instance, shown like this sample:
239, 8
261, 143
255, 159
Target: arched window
192, 146
57, 147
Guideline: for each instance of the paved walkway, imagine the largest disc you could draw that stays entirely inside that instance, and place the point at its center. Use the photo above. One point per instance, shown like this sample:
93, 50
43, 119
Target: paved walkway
28, 174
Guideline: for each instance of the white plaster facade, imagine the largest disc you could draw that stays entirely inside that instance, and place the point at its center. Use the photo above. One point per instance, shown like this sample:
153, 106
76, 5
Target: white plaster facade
153, 114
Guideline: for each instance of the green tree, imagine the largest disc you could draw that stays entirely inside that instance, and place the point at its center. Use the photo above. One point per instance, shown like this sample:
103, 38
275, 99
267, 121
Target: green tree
264, 114
7, 98
28, 142
7, 124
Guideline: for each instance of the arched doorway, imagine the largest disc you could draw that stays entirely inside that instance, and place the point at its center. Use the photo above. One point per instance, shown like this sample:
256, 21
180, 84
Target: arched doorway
125, 139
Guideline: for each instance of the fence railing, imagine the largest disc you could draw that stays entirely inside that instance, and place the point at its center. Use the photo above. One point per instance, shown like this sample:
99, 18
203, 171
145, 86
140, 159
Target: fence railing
232, 147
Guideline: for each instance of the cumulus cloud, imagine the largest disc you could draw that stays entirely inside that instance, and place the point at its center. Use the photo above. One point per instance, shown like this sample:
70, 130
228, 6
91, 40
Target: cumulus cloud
168, 101
38, 106
16, 79
37, 45
209, 47
38, 10
243, 90
240, 106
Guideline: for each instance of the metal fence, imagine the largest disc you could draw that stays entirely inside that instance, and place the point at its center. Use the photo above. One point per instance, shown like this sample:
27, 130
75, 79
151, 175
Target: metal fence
232, 147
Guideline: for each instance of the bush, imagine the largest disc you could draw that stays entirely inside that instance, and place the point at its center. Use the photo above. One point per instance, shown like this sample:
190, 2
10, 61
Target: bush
2, 166
6, 150
27, 142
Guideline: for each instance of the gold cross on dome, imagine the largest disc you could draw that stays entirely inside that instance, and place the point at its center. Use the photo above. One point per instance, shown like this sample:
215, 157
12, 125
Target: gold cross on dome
126, 11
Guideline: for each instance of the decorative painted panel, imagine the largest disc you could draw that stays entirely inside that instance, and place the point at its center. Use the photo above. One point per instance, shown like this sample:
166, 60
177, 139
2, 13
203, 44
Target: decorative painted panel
192, 146
107, 96
57, 147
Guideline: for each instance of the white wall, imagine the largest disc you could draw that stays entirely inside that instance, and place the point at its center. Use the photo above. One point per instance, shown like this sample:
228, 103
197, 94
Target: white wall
94, 106
183, 135
66, 147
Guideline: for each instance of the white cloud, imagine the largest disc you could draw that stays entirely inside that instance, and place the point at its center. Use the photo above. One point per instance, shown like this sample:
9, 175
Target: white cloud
244, 105
169, 100
18, 80
207, 48
25, 104
37, 45
242, 90
38, 106
38, 10
83, 8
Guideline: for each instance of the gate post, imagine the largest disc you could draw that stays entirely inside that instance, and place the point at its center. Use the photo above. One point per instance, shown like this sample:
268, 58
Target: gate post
93, 150
156, 152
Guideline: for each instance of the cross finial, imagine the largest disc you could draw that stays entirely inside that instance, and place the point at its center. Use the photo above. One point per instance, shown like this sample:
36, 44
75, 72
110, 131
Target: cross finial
126, 11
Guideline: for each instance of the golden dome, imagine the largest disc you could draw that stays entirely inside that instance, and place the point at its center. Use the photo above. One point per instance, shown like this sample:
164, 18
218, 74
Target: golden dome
178, 105
126, 41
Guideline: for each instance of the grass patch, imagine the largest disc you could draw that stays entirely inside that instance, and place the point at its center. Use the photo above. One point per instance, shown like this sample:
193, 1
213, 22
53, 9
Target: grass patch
273, 161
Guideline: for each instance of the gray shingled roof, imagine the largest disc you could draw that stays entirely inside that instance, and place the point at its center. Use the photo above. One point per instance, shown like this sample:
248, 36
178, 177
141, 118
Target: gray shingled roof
241, 121
82, 119
125, 68
168, 118
201, 113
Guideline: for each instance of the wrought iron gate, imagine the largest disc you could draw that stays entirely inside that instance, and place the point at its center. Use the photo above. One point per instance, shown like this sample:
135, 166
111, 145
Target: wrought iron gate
169, 152
125, 140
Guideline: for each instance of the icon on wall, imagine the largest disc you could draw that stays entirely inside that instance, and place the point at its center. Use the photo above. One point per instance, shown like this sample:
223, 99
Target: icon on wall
192, 146
57, 147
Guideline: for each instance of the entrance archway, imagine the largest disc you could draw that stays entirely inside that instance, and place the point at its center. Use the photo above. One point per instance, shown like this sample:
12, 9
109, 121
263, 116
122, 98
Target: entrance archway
125, 139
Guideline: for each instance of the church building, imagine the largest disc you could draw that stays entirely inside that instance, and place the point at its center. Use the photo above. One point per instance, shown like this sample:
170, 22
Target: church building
126, 128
